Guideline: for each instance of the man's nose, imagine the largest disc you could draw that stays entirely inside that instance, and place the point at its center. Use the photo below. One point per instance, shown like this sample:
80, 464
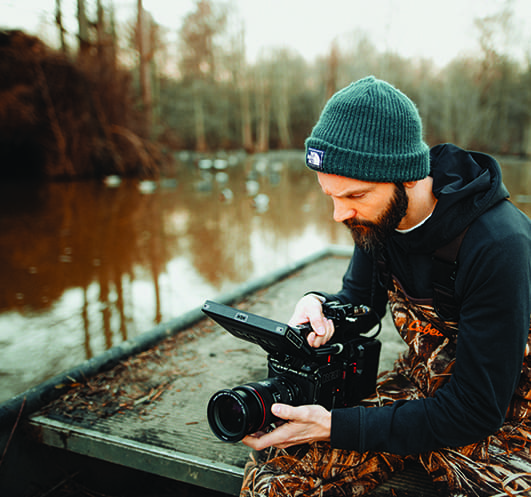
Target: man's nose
342, 211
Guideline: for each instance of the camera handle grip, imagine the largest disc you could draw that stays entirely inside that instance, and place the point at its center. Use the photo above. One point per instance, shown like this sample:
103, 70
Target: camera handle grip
332, 349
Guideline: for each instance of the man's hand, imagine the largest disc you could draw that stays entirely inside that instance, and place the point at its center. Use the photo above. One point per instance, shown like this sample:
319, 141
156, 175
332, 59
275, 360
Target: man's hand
304, 424
310, 309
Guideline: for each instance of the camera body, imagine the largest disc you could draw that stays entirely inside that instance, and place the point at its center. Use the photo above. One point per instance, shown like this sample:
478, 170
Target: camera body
335, 375
332, 381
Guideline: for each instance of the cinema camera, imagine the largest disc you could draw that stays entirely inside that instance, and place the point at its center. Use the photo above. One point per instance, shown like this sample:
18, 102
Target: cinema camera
335, 375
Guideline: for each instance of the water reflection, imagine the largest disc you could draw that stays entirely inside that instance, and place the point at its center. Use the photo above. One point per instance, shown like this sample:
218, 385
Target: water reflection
86, 266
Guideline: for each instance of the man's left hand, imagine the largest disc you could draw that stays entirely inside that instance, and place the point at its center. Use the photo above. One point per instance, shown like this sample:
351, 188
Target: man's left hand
303, 424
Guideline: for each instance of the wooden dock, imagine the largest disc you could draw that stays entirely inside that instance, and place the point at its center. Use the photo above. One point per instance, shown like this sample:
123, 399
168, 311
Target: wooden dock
148, 412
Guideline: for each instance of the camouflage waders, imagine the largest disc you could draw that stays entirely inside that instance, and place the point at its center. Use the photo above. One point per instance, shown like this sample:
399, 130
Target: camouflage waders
497, 466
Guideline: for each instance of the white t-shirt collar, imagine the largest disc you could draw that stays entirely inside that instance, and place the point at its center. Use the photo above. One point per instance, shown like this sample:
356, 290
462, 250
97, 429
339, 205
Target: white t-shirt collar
414, 227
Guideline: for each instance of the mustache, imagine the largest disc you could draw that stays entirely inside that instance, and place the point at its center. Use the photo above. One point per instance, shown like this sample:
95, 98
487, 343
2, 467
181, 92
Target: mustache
354, 223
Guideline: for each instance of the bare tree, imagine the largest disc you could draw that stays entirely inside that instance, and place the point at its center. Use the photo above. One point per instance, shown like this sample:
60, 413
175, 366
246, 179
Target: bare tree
331, 75
60, 27
199, 57
144, 54
287, 80
100, 30
460, 116
243, 83
113, 37
263, 87
281, 97
246, 117
497, 78
83, 25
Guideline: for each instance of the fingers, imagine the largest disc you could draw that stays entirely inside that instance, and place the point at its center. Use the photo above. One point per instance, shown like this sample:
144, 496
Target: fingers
322, 333
304, 424
281, 437
309, 309
261, 441
284, 411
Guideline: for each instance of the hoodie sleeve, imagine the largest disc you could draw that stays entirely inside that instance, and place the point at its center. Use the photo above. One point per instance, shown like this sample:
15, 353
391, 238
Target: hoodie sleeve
493, 284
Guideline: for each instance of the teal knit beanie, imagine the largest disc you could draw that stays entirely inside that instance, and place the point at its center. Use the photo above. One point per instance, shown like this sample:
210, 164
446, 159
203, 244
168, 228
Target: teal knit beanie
369, 131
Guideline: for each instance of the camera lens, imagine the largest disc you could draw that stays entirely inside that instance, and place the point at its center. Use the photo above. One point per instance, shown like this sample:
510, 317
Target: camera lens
230, 413
233, 414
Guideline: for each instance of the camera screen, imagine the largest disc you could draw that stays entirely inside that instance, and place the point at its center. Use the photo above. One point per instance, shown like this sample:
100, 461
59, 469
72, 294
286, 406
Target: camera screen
271, 335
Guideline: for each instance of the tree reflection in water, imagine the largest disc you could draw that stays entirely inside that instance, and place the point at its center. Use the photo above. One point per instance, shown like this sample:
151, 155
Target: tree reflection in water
85, 266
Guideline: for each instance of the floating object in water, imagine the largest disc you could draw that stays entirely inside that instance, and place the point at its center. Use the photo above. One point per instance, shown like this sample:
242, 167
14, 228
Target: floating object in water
204, 185
261, 202
226, 195
260, 166
184, 156
222, 177
220, 164
168, 183
252, 187
112, 181
205, 164
233, 160
147, 186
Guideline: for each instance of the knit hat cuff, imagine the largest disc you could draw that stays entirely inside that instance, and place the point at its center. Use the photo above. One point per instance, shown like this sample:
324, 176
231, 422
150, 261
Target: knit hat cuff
327, 158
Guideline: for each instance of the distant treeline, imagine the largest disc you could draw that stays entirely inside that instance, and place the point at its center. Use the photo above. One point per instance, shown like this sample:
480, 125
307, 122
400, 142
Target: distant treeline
112, 104
218, 99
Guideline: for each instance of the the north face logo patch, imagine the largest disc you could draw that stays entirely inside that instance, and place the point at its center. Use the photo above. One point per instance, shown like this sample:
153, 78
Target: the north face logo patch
314, 157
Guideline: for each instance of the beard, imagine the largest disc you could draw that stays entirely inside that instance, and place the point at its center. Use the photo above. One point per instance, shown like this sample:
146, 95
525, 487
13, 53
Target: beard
372, 235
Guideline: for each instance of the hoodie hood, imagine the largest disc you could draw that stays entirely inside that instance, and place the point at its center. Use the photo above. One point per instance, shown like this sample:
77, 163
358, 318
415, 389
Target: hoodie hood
466, 184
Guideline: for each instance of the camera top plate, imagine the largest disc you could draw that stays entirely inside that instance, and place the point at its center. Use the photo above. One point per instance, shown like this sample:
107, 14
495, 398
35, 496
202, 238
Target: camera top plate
272, 336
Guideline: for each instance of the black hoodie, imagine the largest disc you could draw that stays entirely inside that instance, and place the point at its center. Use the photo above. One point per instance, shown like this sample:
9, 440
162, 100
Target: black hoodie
493, 289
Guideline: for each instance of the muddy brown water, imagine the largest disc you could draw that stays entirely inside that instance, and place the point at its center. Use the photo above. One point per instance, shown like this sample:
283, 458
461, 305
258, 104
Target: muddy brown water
87, 265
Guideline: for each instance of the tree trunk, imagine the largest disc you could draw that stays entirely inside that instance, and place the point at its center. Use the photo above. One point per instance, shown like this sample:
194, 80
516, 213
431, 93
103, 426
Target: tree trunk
59, 22
199, 117
144, 76
246, 123
282, 116
264, 118
84, 42
331, 75
113, 36
100, 30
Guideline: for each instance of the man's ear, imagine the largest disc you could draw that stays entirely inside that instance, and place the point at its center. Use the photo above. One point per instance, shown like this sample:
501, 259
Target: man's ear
410, 184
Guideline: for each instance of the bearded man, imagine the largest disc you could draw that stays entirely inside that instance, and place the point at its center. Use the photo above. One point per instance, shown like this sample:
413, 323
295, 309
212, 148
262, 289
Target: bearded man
459, 400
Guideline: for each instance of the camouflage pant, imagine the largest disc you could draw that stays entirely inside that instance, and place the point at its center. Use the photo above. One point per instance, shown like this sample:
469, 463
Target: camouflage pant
500, 465
315, 470
497, 466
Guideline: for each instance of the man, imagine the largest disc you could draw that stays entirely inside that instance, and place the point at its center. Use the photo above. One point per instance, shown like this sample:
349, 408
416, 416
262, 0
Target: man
459, 401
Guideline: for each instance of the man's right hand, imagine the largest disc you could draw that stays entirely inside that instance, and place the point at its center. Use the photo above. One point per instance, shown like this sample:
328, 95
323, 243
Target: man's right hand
310, 309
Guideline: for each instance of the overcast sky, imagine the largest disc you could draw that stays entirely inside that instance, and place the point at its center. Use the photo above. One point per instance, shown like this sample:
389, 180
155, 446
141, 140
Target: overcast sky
434, 29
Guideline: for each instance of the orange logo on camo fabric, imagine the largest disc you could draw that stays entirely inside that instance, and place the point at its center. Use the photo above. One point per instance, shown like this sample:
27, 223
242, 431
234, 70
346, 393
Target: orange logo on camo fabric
417, 327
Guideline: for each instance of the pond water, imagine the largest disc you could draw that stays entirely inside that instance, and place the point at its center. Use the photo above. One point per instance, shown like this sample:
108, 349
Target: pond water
86, 265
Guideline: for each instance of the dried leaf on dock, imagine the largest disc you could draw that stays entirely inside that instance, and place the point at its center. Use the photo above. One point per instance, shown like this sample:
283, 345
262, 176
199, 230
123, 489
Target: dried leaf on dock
133, 384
